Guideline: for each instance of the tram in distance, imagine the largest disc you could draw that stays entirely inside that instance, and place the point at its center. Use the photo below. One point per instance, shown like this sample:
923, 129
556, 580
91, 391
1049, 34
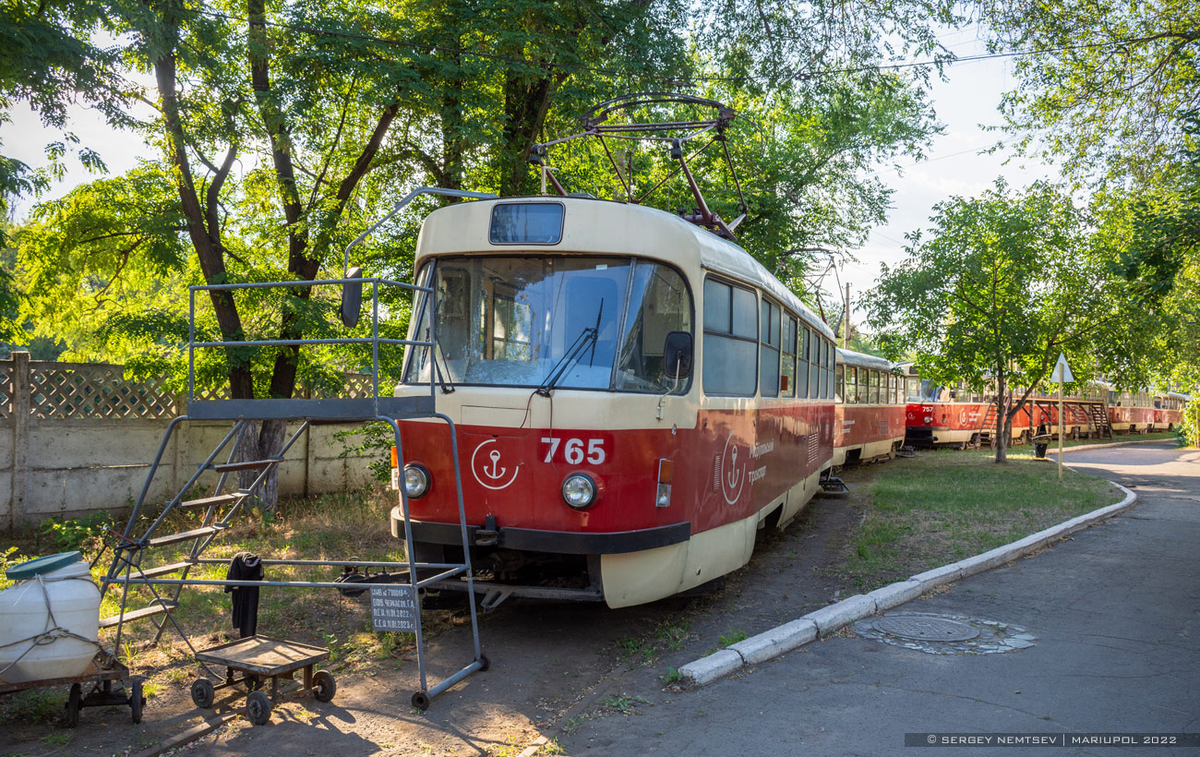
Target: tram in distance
634, 398
959, 416
869, 424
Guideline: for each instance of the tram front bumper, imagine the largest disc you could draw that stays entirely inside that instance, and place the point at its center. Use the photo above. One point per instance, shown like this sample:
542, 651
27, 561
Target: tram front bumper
539, 540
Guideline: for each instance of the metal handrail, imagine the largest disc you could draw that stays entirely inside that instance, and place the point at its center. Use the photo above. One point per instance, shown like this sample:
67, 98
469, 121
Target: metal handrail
374, 340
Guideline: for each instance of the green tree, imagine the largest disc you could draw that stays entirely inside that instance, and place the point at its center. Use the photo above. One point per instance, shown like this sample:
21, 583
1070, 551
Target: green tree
995, 291
1105, 83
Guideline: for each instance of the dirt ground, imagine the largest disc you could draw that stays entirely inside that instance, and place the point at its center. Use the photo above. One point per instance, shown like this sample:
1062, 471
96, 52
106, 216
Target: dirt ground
557, 670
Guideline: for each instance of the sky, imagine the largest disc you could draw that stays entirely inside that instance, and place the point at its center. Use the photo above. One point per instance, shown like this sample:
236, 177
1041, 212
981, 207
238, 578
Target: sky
965, 103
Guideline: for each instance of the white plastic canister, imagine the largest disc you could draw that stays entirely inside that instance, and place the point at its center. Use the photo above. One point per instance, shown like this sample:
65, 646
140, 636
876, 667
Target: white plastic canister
25, 615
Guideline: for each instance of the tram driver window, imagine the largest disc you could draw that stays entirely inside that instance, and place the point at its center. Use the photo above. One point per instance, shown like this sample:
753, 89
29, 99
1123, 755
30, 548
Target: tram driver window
730, 340
659, 303
840, 383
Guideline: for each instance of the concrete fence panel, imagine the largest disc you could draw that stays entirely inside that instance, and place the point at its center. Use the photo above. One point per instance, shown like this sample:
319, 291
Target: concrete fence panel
78, 438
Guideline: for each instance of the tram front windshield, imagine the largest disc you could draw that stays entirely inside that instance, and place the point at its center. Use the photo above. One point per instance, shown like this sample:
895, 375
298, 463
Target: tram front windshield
575, 322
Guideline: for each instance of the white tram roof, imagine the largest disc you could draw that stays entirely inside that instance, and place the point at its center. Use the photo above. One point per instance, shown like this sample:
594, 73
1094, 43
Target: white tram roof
850, 357
604, 227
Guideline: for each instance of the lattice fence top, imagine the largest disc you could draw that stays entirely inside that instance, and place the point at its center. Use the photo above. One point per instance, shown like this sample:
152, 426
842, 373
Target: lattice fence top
87, 390
98, 390
6, 390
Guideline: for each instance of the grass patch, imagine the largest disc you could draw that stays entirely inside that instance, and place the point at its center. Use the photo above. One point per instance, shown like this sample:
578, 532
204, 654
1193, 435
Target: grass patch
945, 505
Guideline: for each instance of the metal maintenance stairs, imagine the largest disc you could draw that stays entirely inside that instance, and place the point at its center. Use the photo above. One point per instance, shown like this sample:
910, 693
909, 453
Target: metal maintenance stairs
128, 568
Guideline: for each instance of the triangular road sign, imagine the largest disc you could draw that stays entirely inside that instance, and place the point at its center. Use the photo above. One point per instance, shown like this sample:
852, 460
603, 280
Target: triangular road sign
1062, 371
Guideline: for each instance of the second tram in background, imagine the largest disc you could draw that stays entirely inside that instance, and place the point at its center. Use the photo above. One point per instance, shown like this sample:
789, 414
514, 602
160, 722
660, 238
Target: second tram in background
869, 424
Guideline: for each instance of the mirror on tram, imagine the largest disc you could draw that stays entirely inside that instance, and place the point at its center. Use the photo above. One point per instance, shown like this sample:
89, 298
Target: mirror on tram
677, 355
351, 298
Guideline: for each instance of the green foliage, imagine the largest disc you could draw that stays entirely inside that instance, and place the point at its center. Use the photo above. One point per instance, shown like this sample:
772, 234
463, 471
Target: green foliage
1108, 83
1189, 429
8, 558
78, 533
1001, 285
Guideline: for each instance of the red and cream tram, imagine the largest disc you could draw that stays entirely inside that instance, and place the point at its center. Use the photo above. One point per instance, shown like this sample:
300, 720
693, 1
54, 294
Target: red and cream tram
1144, 411
869, 420
634, 398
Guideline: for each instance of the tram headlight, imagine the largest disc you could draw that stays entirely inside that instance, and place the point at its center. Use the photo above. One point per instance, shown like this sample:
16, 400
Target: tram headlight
579, 491
416, 480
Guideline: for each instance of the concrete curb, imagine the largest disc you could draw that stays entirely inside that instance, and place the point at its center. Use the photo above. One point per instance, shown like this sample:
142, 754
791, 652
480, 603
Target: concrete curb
1054, 450
827, 620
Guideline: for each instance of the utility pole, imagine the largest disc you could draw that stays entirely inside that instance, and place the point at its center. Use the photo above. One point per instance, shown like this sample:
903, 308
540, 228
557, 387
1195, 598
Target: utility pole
846, 332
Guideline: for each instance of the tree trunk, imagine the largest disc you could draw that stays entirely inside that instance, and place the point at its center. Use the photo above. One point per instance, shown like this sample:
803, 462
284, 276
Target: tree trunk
1002, 423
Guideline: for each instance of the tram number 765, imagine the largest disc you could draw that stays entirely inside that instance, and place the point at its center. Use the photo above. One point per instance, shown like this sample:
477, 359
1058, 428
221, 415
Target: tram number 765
575, 451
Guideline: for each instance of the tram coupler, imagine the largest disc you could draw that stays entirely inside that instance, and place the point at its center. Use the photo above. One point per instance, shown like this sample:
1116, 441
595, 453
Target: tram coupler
833, 485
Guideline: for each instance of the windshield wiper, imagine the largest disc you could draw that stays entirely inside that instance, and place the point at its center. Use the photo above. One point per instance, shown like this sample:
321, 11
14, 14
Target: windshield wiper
589, 336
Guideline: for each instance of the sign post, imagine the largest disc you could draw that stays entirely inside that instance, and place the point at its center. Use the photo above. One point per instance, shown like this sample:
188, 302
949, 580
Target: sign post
1062, 374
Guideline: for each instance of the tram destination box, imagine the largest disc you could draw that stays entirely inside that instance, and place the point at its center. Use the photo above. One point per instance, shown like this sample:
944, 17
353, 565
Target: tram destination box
393, 608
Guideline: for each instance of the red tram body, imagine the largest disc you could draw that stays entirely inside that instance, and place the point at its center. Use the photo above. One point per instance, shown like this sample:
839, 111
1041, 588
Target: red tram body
941, 416
869, 421
556, 323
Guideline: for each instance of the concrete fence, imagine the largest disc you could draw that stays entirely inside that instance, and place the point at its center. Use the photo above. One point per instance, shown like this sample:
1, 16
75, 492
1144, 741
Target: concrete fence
77, 438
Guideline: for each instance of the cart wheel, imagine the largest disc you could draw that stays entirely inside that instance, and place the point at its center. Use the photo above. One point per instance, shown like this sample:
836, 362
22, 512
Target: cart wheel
486, 663
136, 700
203, 693
258, 708
421, 700
323, 687
74, 704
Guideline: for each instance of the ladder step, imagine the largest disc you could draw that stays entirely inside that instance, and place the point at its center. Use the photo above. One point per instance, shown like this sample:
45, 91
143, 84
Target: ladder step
161, 570
195, 533
245, 465
145, 612
218, 500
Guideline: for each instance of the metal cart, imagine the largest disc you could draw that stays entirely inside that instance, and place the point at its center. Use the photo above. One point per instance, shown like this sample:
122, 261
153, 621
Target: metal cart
100, 673
258, 658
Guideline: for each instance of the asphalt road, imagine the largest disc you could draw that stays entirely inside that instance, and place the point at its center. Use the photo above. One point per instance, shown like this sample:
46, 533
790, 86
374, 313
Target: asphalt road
1116, 615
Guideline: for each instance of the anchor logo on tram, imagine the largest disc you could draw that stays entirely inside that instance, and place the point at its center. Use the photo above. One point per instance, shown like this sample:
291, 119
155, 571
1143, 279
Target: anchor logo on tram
488, 470
732, 475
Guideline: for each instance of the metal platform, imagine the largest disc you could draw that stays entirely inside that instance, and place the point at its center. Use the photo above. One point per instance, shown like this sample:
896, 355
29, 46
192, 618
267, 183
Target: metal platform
101, 693
341, 410
262, 656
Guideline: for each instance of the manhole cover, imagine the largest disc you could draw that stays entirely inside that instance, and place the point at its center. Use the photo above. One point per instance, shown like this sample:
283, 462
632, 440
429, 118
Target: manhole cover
944, 634
926, 628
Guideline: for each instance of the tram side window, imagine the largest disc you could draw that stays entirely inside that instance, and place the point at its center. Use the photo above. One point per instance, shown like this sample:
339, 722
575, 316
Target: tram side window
873, 397
824, 369
769, 349
851, 395
830, 359
659, 303
730, 340
802, 337
814, 366
787, 383
839, 394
